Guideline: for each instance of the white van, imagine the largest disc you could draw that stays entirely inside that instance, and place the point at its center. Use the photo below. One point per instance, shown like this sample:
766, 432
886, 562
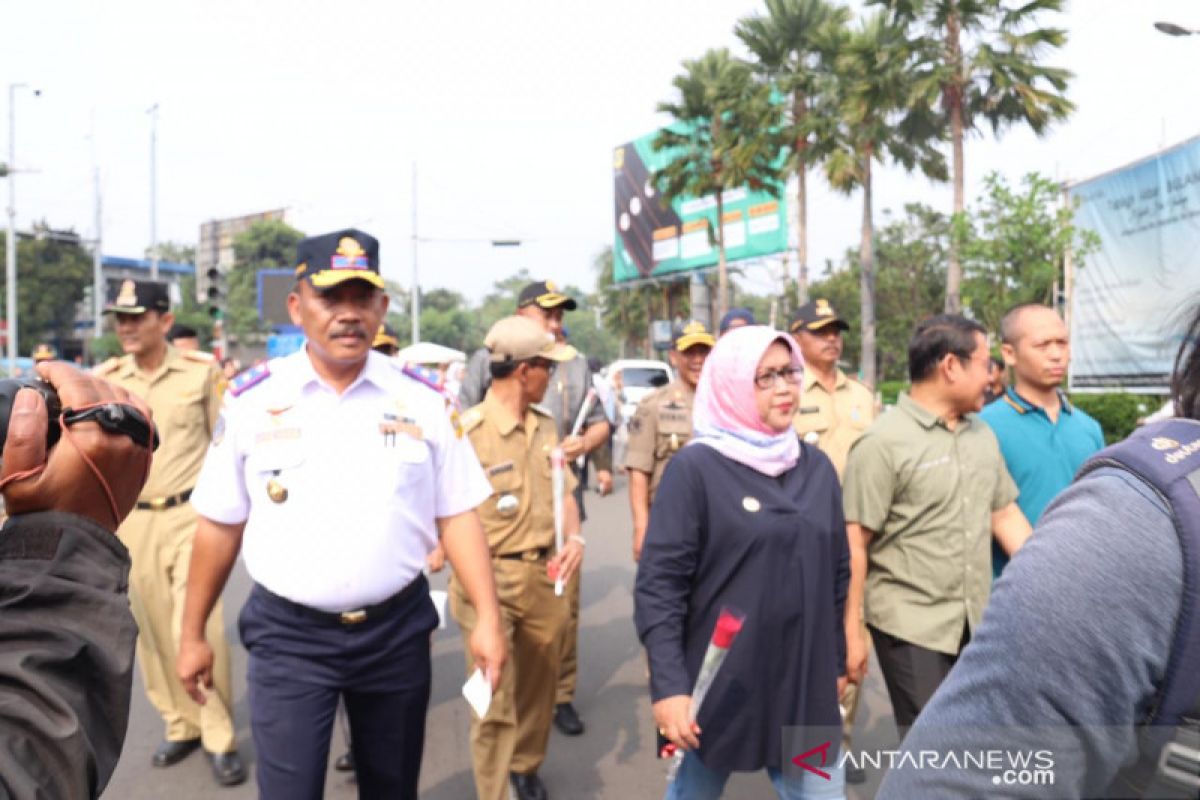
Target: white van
639, 377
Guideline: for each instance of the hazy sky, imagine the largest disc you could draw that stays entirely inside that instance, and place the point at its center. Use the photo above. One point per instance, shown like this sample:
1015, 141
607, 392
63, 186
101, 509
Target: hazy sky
511, 110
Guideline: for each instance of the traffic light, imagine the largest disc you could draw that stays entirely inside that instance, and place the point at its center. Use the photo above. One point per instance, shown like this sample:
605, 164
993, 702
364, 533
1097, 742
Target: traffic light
215, 294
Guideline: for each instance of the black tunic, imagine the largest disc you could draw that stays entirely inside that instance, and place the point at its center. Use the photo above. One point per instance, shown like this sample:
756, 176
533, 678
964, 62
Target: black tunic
723, 534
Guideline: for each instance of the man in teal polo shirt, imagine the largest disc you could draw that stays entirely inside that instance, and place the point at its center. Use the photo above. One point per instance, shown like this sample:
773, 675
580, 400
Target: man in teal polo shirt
1044, 439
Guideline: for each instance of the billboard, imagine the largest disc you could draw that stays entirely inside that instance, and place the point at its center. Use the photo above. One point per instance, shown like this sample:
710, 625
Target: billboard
653, 239
1129, 300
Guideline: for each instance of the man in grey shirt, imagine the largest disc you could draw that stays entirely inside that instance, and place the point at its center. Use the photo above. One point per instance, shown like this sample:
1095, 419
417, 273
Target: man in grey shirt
1071, 655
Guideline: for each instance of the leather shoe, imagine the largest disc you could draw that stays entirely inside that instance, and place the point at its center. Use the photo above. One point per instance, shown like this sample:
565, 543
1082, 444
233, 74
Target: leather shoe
345, 762
567, 720
169, 753
228, 768
528, 787
855, 775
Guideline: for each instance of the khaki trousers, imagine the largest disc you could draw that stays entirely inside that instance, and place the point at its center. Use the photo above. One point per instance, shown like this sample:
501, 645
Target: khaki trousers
512, 737
569, 660
160, 546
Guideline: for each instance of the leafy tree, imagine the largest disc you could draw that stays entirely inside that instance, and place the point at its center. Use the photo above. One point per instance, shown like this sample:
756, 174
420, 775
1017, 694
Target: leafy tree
1013, 245
910, 258
793, 47
446, 319
269, 244
986, 66
53, 270
722, 137
872, 118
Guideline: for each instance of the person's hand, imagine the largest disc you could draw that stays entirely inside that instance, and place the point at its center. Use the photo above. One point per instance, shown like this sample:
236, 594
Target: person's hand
639, 536
436, 559
842, 683
673, 716
604, 482
856, 654
67, 483
489, 649
563, 565
194, 667
572, 447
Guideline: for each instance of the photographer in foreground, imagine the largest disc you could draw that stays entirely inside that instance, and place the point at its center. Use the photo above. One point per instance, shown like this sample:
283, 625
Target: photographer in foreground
66, 634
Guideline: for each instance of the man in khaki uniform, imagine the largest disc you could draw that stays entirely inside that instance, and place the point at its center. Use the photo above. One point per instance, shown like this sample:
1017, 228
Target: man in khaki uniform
513, 439
181, 389
662, 424
834, 411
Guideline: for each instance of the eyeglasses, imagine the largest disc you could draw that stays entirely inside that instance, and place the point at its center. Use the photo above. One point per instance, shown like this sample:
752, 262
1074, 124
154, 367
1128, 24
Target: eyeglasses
766, 380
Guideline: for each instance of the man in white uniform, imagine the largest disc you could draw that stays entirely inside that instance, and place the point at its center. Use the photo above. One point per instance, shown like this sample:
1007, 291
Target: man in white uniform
335, 472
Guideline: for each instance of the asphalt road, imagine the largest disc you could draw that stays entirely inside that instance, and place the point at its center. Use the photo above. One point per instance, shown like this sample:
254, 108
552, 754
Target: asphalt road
613, 759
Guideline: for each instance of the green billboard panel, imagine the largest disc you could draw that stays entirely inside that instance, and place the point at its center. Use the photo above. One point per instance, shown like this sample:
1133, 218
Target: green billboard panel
653, 239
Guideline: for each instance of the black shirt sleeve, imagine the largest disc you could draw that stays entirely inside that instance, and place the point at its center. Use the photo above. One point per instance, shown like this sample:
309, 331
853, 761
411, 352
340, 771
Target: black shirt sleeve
66, 655
666, 572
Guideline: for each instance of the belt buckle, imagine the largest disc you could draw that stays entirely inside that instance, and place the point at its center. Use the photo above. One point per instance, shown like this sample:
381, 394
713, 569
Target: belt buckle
530, 555
353, 617
158, 503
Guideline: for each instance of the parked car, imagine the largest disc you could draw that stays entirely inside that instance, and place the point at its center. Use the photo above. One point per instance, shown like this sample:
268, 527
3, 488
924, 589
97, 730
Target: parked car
639, 377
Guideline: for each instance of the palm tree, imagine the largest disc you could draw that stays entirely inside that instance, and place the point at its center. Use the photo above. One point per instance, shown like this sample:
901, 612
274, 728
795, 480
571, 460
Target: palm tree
723, 136
874, 117
996, 77
792, 48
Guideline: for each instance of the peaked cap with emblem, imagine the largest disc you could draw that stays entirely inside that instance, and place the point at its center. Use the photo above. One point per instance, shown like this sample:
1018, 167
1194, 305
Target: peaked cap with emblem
692, 334
332, 258
814, 315
138, 297
44, 352
546, 295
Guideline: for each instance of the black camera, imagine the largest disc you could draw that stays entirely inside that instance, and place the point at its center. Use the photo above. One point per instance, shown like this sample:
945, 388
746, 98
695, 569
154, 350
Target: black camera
8, 394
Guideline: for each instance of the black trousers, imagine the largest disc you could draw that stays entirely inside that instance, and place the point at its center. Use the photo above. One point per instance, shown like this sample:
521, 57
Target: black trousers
299, 667
912, 673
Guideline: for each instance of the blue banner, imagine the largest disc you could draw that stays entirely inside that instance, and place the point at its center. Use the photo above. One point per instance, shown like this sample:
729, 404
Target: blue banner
1130, 301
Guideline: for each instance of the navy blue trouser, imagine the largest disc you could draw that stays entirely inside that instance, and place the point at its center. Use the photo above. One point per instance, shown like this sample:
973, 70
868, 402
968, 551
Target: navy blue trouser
299, 666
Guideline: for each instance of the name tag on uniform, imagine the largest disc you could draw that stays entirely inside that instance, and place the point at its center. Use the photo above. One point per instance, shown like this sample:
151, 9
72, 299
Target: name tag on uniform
809, 409
501, 468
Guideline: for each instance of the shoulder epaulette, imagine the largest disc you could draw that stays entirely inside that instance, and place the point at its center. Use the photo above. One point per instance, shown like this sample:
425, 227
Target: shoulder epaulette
540, 409
107, 367
249, 379
471, 419
198, 356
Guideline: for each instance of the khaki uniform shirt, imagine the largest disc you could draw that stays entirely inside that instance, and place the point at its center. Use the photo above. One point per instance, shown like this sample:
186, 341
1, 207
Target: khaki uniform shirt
927, 493
184, 395
661, 425
833, 422
515, 455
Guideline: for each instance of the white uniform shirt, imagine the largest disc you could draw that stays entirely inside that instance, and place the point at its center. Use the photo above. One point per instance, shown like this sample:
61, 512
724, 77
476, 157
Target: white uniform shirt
361, 508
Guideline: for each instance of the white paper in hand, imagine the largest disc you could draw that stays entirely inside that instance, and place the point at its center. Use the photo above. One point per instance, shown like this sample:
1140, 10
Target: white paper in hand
478, 691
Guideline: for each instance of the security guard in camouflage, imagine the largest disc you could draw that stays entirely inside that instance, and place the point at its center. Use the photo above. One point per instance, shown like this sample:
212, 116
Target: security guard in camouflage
183, 389
834, 412
663, 424
513, 439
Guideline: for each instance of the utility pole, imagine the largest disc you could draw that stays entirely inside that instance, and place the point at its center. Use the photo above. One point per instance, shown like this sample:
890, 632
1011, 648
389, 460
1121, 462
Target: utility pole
416, 283
153, 112
10, 262
97, 266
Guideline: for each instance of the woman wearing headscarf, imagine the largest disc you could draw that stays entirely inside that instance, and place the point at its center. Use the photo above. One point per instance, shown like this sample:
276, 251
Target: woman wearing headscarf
748, 517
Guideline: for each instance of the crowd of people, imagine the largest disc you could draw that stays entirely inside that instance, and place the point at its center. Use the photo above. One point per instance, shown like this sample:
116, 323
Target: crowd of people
765, 485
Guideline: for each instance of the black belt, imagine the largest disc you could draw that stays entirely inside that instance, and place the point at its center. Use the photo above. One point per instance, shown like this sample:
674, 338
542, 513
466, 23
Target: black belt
536, 554
356, 616
163, 503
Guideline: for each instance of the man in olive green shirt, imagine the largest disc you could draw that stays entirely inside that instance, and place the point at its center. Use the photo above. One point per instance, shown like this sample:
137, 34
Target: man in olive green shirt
925, 490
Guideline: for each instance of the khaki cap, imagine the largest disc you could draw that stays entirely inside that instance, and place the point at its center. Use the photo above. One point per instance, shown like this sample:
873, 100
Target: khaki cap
520, 338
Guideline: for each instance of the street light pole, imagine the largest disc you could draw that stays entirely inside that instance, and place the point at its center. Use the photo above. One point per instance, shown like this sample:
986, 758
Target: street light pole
153, 112
10, 241
416, 284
